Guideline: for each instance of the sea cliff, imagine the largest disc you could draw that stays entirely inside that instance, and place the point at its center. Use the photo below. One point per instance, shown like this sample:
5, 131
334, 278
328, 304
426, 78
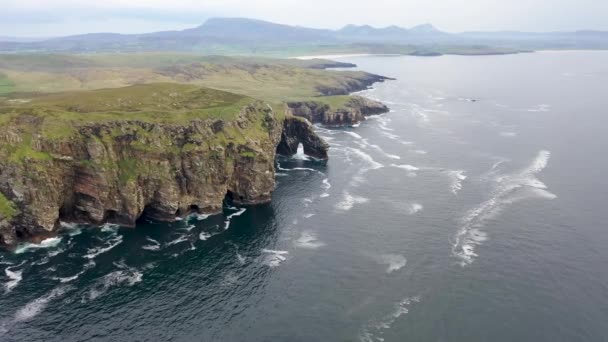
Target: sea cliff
351, 112
156, 151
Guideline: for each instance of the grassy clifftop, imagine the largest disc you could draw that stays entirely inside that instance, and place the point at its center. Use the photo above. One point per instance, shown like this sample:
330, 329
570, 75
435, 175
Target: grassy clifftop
274, 80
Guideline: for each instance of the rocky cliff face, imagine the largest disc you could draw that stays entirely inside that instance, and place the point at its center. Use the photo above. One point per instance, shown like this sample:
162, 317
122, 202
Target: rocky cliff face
354, 111
117, 171
297, 130
351, 85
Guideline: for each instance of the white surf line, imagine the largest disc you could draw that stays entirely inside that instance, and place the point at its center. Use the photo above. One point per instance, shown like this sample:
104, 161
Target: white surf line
510, 189
46, 243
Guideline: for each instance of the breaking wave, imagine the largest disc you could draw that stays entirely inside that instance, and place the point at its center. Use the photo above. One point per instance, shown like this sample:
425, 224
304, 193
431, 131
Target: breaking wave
46, 243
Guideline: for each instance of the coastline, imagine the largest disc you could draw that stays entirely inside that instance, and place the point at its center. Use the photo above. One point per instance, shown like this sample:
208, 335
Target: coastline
346, 55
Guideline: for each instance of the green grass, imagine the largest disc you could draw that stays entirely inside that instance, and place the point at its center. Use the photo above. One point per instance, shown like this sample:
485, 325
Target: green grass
262, 78
161, 102
7, 208
6, 85
127, 169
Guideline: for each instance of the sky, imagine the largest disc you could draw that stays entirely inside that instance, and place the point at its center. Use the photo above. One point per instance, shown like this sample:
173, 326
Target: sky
44, 18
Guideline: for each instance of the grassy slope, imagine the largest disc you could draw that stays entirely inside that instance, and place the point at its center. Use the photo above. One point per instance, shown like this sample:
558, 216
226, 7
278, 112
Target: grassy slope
268, 79
158, 102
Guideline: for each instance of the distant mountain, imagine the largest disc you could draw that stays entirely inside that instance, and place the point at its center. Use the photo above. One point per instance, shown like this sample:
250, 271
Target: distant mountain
242, 35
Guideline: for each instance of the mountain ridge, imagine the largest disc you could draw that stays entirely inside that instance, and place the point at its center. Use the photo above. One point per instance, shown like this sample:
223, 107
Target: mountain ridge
244, 35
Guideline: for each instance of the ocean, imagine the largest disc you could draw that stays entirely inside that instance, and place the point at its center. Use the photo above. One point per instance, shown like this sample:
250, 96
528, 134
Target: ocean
474, 211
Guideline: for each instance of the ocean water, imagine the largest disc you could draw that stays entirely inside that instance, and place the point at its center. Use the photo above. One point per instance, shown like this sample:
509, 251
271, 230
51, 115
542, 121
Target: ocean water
474, 211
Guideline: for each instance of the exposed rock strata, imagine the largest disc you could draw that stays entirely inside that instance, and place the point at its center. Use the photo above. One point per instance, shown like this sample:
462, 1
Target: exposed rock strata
354, 111
297, 130
117, 171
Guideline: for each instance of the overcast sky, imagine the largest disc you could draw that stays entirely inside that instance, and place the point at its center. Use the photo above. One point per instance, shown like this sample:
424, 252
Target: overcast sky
63, 17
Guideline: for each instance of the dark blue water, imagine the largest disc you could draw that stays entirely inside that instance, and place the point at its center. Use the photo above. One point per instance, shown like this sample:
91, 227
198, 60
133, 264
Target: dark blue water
474, 211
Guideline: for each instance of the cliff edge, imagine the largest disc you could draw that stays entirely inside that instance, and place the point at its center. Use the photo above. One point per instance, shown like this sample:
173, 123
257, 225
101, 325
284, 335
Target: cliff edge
157, 150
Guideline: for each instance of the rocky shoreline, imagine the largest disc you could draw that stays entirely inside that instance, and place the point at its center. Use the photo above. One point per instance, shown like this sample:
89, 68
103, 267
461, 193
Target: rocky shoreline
119, 171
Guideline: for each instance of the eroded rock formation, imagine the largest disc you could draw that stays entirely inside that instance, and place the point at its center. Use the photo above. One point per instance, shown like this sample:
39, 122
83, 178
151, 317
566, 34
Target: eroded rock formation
117, 171
354, 111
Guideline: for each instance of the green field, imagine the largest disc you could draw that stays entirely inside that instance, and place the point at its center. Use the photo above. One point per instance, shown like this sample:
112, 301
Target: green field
263, 78
6, 85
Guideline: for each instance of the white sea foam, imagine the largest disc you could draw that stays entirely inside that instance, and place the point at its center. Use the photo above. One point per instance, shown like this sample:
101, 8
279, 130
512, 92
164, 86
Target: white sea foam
110, 228
371, 163
46, 243
309, 215
456, 178
72, 228
510, 189
180, 239
281, 174
154, 246
326, 185
229, 217
374, 329
390, 135
274, 258
353, 134
406, 167
379, 149
241, 258
204, 236
300, 153
35, 307
349, 201
108, 245
540, 108
420, 151
308, 240
323, 195
508, 134
200, 217
128, 276
72, 278
415, 208
14, 276
394, 262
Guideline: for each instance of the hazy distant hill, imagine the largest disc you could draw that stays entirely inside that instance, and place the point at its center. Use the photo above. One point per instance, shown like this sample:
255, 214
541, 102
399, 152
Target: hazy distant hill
245, 36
